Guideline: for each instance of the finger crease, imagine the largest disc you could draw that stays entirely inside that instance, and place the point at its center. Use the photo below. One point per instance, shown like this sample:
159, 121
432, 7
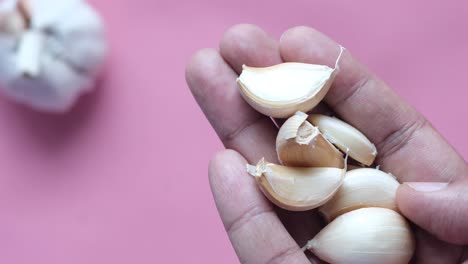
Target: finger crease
464, 256
247, 217
283, 255
396, 140
353, 91
229, 137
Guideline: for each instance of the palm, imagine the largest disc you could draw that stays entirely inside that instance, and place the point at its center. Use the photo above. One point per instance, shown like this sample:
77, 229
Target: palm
259, 232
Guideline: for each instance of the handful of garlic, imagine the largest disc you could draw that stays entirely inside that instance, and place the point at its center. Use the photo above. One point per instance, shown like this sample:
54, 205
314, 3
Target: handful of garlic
359, 205
51, 51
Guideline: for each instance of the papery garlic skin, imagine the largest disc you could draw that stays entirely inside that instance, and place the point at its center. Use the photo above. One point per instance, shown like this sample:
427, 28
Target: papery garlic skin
301, 144
361, 188
296, 188
365, 236
60, 56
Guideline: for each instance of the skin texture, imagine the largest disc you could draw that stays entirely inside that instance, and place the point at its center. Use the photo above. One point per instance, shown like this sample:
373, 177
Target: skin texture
261, 233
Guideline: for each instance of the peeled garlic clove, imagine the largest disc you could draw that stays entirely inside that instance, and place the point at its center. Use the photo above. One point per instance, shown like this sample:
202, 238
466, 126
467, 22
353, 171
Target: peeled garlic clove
301, 144
56, 58
281, 90
295, 188
347, 138
365, 236
362, 188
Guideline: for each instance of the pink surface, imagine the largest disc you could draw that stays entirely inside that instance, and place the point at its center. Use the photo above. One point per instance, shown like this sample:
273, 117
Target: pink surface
123, 178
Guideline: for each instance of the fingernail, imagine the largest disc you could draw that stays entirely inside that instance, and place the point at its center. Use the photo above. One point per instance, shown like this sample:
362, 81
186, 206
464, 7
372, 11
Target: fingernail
427, 186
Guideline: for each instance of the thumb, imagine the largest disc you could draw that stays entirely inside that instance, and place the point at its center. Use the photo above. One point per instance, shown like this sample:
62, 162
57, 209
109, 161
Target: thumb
440, 208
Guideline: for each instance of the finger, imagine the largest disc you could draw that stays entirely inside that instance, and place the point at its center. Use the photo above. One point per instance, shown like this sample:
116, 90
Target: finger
426, 254
302, 226
321, 109
213, 84
439, 208
408, 146
248, 44
255, 231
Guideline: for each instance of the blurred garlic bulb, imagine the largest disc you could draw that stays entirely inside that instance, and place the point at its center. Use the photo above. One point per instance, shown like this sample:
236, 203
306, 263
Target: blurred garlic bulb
296, 188
12, 17
362, 188
51, 51
365, 236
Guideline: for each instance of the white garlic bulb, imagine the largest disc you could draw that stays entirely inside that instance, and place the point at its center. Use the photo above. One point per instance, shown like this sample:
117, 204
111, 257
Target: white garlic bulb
365, 236
53, 55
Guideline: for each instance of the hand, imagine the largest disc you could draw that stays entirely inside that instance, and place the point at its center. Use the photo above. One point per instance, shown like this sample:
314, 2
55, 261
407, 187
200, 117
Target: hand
408, 145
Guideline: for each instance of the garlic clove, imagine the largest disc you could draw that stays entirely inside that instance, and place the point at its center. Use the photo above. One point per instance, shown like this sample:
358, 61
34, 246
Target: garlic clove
365, 236
301, 144
362, 188
281, 90
296, 188
347, 138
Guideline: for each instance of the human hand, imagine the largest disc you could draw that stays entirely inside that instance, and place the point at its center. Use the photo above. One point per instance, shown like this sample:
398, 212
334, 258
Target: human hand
408, 146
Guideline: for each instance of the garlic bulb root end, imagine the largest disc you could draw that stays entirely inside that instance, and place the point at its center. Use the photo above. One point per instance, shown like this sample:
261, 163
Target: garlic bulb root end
29, 54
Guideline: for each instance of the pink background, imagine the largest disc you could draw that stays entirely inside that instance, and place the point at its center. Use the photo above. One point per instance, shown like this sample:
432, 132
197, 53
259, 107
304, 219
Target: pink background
123, 177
